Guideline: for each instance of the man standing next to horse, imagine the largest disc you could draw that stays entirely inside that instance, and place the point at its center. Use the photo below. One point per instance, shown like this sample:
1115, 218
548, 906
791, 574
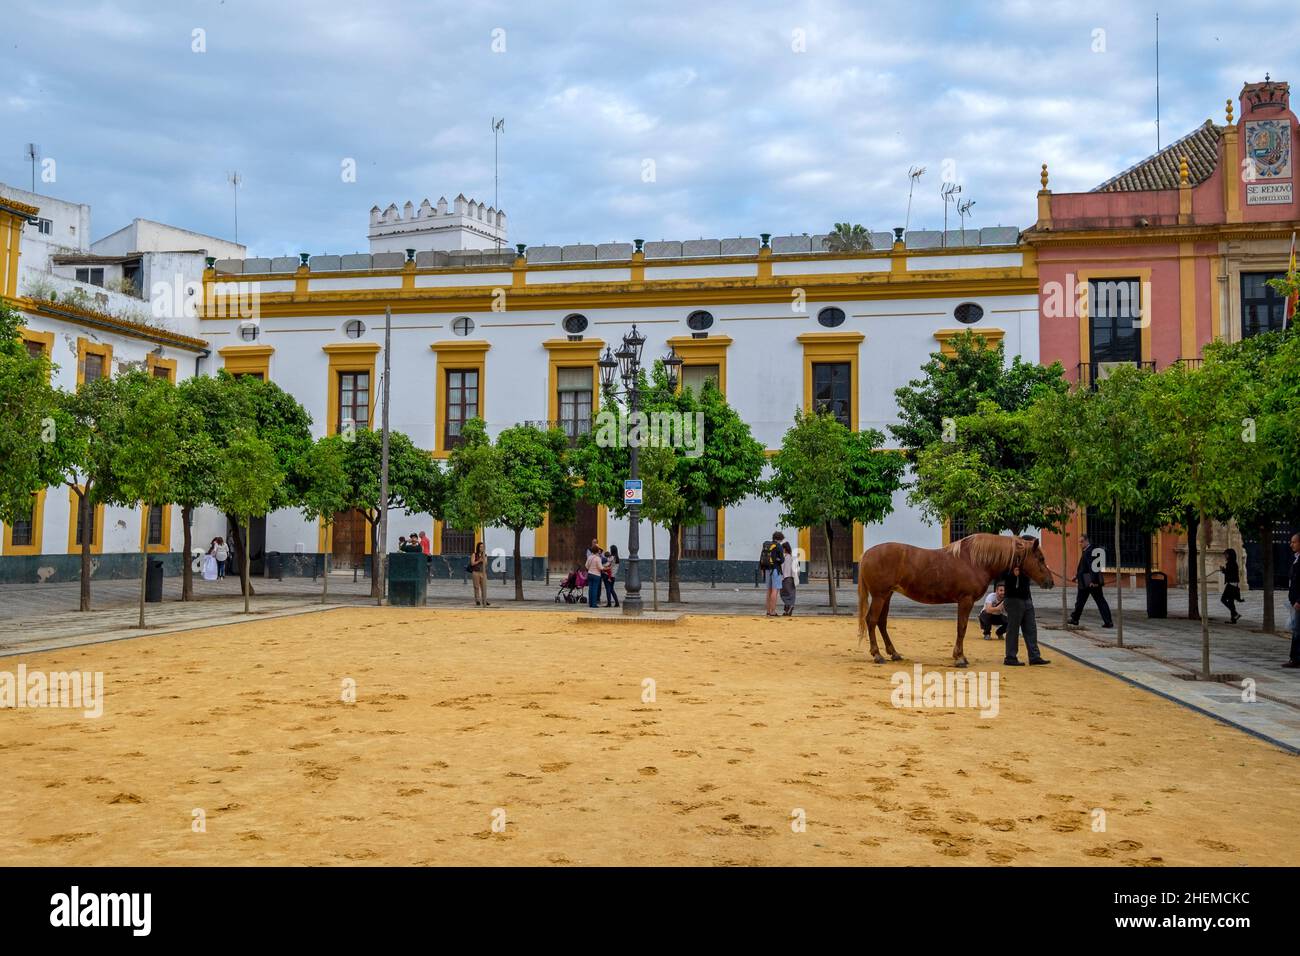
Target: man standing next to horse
1089, 586
1020, 617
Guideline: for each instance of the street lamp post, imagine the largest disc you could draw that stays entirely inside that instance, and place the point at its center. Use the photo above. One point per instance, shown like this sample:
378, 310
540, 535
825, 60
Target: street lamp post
625, 364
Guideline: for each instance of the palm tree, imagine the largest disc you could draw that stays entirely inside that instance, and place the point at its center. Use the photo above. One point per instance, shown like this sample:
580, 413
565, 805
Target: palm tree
847, 238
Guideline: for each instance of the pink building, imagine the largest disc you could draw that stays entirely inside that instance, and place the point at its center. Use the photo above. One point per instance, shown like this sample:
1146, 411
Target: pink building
1170, 254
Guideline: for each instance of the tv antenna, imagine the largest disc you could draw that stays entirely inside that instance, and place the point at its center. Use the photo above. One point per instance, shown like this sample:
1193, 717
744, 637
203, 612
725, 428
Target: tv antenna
33, 153
235, 180
949, 192
963, 210
498, 127
913, 174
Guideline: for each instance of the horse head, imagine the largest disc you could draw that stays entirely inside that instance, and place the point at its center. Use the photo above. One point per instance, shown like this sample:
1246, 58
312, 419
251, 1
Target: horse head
1032, 562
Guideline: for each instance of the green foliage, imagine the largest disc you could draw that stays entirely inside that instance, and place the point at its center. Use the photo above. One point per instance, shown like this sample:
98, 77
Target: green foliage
324, 479
952, 387
27, 406
414, 478
141, 432
476, 496
248, 476
847, 238
536, 476
825, 473
986, 475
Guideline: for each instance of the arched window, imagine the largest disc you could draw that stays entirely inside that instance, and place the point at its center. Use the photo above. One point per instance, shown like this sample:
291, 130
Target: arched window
354, 328
968, 313
249, 331
463, 325
575, 324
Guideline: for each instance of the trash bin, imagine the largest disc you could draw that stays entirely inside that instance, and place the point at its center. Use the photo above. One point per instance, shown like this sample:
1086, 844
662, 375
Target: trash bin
273, 566
153, 581
1157, 594
408, 579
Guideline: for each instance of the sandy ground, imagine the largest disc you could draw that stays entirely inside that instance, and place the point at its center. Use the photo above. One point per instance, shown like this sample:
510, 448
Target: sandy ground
464, 718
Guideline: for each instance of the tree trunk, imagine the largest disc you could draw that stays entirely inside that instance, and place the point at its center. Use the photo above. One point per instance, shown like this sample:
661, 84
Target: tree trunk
519, 571
1193, 548
1266, 553
247, 582
654, 568
240, 553
325, 573
674, 586
1065, 578
144, 572
374, 559
830, 567
187, 572
1119, 589
86, 530
1205, 613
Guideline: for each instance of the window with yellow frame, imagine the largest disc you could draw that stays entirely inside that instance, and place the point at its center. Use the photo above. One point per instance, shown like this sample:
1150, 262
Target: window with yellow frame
24, 536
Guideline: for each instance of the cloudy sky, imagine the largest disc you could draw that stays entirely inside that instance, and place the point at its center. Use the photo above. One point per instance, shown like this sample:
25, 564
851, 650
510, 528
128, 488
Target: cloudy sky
663, 120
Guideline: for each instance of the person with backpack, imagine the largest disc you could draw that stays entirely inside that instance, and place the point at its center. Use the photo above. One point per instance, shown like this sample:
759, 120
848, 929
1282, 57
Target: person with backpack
770, 560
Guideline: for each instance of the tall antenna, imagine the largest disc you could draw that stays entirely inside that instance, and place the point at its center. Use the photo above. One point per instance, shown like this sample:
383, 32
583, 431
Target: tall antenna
963, 210
949, 192
1157, 81
33, 153
235, 179
498, 127
913, 174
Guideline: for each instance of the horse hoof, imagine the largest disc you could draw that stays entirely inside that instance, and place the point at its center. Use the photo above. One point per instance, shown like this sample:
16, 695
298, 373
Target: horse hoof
960, 663
896, 657
878, 659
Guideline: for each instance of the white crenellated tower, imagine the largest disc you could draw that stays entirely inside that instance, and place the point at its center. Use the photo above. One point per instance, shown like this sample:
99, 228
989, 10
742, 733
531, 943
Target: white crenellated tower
467, 224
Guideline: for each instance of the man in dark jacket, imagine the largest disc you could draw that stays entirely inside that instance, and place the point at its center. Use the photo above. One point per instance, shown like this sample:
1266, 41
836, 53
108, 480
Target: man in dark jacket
1293, 599
1020, 617
1089, 586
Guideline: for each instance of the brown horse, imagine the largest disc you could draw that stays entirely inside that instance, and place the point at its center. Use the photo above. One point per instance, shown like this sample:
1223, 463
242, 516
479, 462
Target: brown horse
959, 573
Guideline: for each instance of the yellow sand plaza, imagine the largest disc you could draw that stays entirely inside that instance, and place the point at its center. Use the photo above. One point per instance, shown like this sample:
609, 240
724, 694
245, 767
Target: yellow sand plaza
533, 738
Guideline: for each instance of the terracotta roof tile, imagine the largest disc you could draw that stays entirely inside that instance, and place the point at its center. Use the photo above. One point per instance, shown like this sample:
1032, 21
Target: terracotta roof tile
1160, 170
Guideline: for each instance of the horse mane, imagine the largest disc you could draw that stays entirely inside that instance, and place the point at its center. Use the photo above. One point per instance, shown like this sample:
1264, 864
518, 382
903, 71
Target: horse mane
993, 552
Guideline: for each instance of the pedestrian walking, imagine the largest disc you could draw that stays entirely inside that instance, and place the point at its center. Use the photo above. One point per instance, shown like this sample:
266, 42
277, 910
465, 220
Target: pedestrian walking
610, 567
994, 613
221, 554
1020, 618
595, 571
788, 578
478, 573
1090, 586
769, 563
1231, 584
1293, 599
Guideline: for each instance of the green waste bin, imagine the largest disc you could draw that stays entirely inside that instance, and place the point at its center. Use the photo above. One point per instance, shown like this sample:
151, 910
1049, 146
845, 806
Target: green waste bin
153, 582
1157, 594
408, 579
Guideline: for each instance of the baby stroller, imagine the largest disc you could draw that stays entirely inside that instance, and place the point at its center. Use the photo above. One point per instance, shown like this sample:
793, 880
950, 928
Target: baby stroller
571, 591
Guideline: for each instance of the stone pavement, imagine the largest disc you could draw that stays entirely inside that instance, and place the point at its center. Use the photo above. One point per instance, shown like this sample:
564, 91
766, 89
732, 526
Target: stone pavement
1161, 652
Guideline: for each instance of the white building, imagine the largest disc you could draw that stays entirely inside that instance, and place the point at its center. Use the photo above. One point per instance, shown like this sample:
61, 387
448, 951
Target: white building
516, 338
78, 310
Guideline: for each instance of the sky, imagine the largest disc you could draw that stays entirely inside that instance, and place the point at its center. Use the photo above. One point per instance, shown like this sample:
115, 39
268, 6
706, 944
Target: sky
663, 120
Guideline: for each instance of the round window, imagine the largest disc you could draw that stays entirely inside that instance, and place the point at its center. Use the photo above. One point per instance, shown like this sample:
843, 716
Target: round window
575, 324
463, 325
699, 320
354, 328
968, 313
249, 331
831, 317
